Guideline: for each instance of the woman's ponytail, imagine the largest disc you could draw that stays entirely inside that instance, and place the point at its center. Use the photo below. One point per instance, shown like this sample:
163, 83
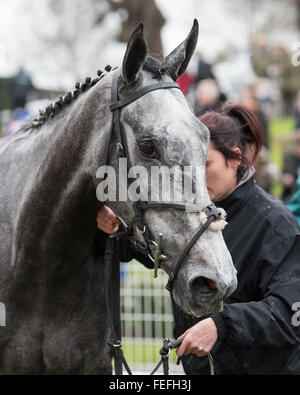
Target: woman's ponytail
235, 125
250, 127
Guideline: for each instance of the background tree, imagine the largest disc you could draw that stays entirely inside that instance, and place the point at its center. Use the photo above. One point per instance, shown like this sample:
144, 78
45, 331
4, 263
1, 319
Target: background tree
269, 18
273, 25
297, 7
138, 11
61, 41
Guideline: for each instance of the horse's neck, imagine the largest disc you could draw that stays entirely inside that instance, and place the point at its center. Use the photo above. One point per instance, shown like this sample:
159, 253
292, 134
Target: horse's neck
60, 207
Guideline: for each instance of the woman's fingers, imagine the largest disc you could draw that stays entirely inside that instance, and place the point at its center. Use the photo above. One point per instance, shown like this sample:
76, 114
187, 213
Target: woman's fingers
184, 348
110, 215
109, 229
199, 339
116, 228
107, 221
105, 214
187, 348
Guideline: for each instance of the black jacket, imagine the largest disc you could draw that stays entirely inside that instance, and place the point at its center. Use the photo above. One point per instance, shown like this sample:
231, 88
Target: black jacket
256, 334
255, 329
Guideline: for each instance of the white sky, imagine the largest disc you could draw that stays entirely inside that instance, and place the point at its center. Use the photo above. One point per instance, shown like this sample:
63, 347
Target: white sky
6, 33
218, 30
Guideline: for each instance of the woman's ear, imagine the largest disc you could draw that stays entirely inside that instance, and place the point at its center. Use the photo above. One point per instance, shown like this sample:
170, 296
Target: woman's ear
236, 162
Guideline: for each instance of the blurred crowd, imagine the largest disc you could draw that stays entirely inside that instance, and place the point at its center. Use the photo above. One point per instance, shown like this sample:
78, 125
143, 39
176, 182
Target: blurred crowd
14, 97
203, 92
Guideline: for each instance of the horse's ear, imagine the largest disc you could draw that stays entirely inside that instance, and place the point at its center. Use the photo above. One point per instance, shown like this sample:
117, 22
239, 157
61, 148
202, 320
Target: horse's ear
135, 55
178, 60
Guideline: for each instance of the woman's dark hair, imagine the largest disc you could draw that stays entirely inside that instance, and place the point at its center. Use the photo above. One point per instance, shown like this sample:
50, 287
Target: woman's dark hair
235, 125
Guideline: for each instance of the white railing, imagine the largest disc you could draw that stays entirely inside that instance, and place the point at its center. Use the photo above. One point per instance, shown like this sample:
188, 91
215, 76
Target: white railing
147, 318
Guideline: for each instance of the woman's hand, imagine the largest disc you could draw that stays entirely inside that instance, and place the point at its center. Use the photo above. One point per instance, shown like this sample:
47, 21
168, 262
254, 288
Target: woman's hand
107, 221
199, 339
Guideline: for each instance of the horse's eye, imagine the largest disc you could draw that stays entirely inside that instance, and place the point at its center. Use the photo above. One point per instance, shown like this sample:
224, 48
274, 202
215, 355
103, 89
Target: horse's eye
147, 148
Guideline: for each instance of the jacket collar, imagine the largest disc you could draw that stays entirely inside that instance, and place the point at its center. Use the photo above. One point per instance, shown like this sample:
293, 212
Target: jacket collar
238, 198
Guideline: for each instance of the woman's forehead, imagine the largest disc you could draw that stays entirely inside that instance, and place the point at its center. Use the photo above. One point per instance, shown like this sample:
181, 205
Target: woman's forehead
211, 150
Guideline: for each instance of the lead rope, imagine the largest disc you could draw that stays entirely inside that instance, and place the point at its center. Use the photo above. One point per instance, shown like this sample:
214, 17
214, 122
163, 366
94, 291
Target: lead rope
211, 364
165, 353
115, 343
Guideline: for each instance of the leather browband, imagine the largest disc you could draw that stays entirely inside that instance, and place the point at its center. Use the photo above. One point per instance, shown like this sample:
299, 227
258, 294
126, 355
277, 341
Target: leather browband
136, 95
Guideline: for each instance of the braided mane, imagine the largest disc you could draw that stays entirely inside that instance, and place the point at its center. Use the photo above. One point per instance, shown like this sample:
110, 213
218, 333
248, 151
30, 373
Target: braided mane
152, 65
54, 108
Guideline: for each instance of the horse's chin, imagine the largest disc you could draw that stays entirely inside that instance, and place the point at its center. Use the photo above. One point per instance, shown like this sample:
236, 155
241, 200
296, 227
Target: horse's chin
208, 309
205, 309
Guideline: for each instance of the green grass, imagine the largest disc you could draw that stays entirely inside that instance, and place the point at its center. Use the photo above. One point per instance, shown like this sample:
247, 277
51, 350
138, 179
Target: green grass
144, 353
280, 132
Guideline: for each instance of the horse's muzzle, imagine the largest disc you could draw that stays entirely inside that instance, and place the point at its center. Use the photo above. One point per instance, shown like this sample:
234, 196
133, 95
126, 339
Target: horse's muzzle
204, 291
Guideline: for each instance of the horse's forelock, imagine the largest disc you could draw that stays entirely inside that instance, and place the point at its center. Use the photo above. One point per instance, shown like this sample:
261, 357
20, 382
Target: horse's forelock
154, 66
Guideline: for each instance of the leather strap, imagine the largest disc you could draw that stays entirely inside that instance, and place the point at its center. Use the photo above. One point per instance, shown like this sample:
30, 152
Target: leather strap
118, 104
212, 214
112, 291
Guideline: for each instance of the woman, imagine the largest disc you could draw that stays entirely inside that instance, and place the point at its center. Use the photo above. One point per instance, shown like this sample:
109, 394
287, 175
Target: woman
256, 332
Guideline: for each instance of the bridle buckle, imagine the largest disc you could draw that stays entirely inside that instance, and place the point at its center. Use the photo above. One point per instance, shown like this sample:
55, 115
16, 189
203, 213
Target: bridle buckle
158, 257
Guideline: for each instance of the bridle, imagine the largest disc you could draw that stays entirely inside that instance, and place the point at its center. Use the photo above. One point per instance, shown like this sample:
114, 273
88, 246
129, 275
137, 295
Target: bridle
145, 240
139, 233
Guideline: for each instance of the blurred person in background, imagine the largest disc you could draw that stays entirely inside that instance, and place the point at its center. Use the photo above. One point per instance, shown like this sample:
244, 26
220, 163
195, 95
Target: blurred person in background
204, 69
266, 173
297, 112
294, 203
291, 167
276, 63
186, 82
250, 100
207, 96
21, 86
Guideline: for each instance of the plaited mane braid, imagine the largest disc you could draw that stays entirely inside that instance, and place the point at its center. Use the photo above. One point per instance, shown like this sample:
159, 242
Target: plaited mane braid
151, 65
54, 108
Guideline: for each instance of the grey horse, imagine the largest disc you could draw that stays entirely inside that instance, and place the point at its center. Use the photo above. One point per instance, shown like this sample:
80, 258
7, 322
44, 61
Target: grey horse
51, 270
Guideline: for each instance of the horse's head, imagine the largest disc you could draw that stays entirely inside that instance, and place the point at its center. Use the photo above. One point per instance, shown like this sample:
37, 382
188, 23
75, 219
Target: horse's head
161, 133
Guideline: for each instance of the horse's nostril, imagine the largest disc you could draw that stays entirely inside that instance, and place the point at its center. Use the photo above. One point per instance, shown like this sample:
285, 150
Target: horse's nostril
212, 284
203, 290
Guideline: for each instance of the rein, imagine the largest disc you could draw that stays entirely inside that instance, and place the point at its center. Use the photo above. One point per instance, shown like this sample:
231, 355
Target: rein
145, 240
